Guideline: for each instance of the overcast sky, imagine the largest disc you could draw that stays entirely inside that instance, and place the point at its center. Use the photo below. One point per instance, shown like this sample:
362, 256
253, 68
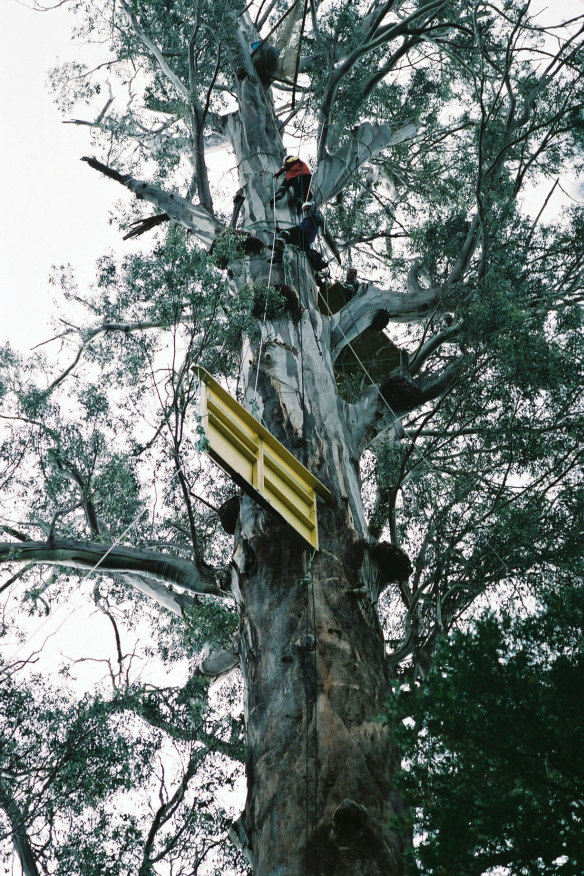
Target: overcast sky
54, 208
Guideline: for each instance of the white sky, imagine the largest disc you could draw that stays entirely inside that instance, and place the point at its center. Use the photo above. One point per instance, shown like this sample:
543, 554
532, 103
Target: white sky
54, 208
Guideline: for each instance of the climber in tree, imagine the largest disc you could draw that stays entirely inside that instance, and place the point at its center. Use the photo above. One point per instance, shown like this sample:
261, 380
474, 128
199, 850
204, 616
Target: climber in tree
297, 177
351, 283
265, 60
301, 235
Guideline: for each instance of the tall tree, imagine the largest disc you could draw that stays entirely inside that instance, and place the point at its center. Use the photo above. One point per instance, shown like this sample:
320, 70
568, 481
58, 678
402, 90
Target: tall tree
494, 754
440, 405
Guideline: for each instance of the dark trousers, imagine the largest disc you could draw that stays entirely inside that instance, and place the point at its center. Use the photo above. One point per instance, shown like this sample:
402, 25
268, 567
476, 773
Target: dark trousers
298, 185
295, 236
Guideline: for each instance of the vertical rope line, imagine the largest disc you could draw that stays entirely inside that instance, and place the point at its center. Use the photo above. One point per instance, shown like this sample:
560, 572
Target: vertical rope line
312, 694
304, 444
307, 735
315, 718
255, 389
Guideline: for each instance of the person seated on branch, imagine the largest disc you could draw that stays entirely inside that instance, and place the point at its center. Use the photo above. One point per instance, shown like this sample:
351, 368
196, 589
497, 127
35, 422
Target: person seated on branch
297, 177
301, 235
351, 283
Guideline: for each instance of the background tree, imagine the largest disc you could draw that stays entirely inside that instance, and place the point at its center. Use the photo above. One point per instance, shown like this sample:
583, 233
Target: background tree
79, 779
441, 405
496, 771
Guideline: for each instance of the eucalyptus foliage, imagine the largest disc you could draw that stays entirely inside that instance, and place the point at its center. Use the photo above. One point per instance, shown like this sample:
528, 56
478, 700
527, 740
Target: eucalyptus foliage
495, 769
443, 138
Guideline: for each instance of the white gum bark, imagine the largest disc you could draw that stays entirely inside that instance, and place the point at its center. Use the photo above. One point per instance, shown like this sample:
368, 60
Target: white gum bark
366, 141
150, 572
311, 648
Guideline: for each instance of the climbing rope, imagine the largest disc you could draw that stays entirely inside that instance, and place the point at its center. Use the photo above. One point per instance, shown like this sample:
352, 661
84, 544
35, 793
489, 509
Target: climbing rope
255, 389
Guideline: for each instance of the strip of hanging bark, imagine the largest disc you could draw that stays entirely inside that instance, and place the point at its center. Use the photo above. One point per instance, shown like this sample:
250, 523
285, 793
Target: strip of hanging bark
142, 225
297, 65
238, 200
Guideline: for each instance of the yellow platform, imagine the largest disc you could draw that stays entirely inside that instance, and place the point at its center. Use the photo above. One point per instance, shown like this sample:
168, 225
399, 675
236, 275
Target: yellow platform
258, 462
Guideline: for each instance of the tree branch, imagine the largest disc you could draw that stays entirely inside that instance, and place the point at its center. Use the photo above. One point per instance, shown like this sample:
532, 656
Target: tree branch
144, 569
382, 407
355, 317
383, 35
156, 53
335, 171
193, 217
434, 343
198, 114
90, 334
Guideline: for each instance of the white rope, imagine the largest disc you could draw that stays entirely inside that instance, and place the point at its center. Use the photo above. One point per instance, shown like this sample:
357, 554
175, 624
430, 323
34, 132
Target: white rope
255, 389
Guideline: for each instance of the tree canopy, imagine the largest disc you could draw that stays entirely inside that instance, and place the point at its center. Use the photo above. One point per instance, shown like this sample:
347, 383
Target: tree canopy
440, 403
496, 770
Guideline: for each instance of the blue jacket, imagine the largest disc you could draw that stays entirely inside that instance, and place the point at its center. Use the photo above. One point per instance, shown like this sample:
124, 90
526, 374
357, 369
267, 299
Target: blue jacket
309, 225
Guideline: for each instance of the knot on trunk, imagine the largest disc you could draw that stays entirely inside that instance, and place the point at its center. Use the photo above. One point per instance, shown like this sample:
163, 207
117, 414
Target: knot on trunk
393, 563
306, 643
229, 514
401, 392
358, 838
218, 663
380, 320
349, 824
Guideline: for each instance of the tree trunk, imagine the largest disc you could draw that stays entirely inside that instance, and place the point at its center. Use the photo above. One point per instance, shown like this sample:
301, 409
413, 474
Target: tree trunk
319, 764
18, 828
